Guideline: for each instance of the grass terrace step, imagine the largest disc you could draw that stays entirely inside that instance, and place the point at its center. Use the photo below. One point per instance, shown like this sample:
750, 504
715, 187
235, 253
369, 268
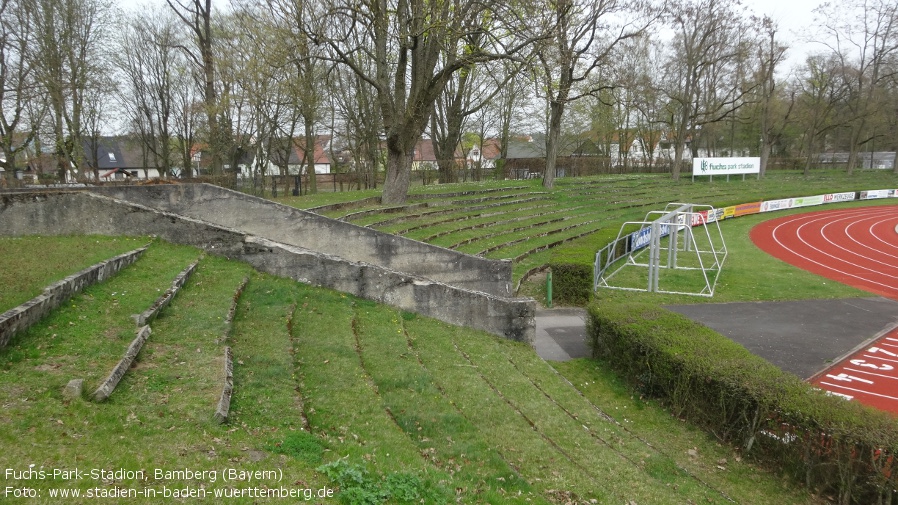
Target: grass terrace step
325, 381
333, 377
426, 217
355, 216
518, 228
470, 192
451, 220
24, 273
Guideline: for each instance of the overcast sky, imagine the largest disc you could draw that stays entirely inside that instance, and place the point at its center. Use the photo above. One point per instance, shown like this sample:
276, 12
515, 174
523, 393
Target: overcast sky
793, 17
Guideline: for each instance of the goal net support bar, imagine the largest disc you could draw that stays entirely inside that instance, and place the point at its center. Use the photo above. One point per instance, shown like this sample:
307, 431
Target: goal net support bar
678, 238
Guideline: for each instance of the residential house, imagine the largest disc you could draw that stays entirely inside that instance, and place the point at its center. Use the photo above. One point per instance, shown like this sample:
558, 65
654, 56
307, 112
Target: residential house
115, 159
424, 157
525, 158
292, 156
485, 155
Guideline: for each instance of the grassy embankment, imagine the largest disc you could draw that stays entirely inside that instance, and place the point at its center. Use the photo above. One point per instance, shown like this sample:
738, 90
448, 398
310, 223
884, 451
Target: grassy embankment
336, 393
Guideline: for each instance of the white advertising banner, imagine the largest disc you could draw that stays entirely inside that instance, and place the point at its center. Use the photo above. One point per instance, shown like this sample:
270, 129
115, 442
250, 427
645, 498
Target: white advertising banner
806, 201
877, 193
771, 205
839, 197
725, 166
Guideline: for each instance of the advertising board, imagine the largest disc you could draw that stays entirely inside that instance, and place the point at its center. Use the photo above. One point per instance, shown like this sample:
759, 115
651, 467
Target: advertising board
839, 197
771, 205
725, 166
876, 193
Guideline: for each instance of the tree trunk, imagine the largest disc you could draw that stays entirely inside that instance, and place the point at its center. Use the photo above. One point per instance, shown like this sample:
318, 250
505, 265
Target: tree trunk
556, 110
312, 186
678, 160
765, 156
399, 165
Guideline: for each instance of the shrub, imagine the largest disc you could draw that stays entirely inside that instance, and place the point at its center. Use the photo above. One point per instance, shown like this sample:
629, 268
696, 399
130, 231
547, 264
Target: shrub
830, 444
359, 487
572, 269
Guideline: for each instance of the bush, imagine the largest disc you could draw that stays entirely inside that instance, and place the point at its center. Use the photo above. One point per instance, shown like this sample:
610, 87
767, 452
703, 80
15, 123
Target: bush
359, 487
572, 269
830, 444
571, 283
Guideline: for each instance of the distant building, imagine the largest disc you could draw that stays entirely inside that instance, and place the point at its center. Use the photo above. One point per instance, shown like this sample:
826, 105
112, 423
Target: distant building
290, 155
115, 159
878, 159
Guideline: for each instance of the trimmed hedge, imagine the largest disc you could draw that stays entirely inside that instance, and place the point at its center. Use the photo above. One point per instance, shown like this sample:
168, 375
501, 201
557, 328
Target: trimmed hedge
832, 445
572, 268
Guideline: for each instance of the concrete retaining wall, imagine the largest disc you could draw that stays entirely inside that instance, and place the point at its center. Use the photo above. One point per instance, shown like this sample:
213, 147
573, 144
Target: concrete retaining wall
89, 213
512, 318
260, 217
20, 318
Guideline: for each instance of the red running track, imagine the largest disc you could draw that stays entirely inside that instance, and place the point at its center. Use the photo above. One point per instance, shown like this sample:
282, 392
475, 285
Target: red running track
858, 247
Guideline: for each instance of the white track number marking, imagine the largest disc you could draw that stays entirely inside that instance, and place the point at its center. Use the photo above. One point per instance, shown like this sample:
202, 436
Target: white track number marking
848, 378
874, 350
863, 363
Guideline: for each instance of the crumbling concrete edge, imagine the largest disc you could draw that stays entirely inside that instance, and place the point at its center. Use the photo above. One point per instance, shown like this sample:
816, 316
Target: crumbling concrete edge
108, 385
224, 402
23, 316
232, 311
74, 212
147, 316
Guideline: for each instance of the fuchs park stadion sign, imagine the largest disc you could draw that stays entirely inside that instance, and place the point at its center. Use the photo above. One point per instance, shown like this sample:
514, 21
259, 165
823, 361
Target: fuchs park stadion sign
725, 166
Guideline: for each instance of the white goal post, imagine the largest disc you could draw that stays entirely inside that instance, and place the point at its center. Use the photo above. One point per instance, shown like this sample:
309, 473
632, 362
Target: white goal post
684, 238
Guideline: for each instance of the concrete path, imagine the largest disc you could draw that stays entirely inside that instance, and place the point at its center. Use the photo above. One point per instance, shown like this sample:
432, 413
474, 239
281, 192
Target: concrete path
561, 334
802, 337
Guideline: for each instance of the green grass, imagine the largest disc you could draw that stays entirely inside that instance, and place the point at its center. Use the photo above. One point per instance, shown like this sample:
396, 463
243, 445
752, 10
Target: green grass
340, 395
28, 264
370, 404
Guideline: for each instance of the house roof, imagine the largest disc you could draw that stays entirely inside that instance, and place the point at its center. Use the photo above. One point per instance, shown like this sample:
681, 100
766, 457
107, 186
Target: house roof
297, 151
107, 153
518, 149
424, 151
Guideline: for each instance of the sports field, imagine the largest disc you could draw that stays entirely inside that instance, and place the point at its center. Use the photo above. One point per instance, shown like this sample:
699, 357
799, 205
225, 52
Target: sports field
858, 247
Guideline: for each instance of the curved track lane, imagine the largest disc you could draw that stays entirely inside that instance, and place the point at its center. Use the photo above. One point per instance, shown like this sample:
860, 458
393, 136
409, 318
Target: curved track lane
858, 247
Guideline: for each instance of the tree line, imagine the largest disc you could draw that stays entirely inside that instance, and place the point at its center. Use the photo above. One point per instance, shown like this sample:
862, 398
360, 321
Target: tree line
246, 79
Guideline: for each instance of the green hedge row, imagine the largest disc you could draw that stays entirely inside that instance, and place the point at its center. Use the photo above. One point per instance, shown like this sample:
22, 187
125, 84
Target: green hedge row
572, 267
834, 446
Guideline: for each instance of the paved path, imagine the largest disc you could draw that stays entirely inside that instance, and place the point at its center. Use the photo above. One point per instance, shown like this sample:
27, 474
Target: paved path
801, 337
561, 334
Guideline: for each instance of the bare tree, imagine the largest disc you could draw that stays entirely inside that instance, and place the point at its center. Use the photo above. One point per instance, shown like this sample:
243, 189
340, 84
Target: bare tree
416, 46
197, 17
820, 91
585, 35
307, 75
148, 58
21, 105
186, 116
704, 71
355, 103
467, 93
863, 35
769, 54
69, 58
